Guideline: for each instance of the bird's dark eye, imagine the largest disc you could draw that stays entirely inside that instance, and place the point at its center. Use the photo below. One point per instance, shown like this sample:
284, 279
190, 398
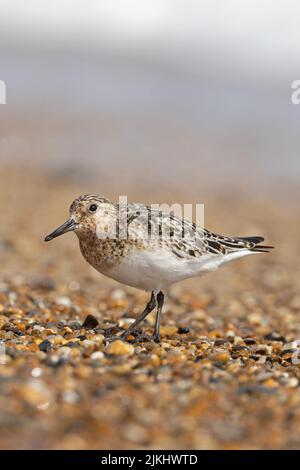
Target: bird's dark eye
93, 207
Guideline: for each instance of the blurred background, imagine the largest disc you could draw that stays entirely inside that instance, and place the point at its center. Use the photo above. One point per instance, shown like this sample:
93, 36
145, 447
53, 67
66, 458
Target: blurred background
178, 101
169, 92
165, 101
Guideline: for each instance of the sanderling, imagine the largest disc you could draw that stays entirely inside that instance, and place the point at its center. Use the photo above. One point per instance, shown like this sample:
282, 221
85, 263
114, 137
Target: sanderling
148, 249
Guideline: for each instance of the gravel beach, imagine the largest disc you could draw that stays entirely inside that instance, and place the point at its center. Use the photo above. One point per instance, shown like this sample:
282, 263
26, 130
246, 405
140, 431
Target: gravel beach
226, 374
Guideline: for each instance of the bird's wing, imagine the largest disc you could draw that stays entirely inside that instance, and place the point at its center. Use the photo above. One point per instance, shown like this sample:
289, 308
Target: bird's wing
183, 237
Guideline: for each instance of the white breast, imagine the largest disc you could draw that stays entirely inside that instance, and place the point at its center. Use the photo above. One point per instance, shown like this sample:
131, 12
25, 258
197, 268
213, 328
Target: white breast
158, 269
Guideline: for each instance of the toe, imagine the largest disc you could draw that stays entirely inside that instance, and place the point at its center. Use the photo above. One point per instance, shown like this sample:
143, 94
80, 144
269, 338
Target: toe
156, 338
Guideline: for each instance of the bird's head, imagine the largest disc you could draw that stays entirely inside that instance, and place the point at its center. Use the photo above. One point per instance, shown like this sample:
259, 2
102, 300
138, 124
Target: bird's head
85, 212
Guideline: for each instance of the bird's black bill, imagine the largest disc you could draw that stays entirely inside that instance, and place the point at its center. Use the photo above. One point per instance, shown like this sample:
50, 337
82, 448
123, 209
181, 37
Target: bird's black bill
64, 228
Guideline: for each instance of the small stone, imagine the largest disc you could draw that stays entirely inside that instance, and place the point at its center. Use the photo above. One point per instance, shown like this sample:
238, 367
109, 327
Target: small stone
262, 349
97, 356
118, 294
254, 319
36, 394
249, 341
74, 325
221, 357
168, 330
90, 322
63, 301
238, 340
273, 336
271, 383
292, 382
98, 339
81, 337
122, 369
119, 348
58, 339
36, 372
220, 342
38, 328
291, 346
135, 433
22, 326
67, 329
262, 360
45, 346
3, 321
182, 330
155, 360
65, 352
277, 347
73, 344
70, 396
87, 343
54, 360
82, 372
33, 347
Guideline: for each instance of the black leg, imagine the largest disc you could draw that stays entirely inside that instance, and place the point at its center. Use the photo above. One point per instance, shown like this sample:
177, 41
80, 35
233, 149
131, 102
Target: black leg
160, 301
149, 307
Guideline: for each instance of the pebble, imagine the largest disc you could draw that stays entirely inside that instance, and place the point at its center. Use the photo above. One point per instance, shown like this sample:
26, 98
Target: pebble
98, 339
293, 345
97, 356
273, 336
119, 348
38, 328
221, 357
36, 394
135, 433
45, 346
3, 321
118, 294
183, 330
122, 369
292, 382
249, 341
63, 301
64, 352
255, 319
271, 383
70, 396
53, 360
36, 372
90, 322
155, 360
168, 331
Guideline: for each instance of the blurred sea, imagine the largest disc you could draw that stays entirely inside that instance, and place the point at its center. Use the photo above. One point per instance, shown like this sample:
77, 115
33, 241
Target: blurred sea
173, 120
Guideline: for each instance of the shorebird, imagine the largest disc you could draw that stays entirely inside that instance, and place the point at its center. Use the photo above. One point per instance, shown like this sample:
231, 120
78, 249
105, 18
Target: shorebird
148, 249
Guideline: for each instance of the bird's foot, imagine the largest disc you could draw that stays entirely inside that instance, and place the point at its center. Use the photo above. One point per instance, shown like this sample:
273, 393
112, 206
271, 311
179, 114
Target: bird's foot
142, 338
138, 336
156, 338
110, 334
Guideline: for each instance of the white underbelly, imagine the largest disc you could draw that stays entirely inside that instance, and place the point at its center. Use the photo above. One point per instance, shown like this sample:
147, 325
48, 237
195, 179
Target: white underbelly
158, 269
147, 271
